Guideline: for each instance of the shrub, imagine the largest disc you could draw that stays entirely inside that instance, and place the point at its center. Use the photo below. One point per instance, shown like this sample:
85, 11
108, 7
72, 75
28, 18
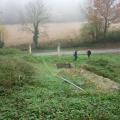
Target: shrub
105, 68
1, 44
30, 58
113, 36
15, 72
99, 62
9, 51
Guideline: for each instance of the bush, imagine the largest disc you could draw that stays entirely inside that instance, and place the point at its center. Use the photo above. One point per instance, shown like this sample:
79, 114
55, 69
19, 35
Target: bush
1, 44
32, 59
105, 68
113, 36
15, 72
9, 51
99, 62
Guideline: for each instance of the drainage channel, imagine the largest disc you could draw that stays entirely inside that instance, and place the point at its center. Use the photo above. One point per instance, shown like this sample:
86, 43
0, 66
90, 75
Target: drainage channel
68, 81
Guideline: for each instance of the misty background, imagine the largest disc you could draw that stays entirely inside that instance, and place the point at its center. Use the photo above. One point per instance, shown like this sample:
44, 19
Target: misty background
59, 10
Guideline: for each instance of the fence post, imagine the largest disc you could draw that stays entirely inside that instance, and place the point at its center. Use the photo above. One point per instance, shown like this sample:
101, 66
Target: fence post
58, 49
30, 50
0, 36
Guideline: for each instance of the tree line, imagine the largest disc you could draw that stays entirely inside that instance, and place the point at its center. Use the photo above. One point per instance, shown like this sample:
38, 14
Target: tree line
100, 15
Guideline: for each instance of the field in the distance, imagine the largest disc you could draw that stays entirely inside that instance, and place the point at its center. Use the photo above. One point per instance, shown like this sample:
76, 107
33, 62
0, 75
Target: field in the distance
50, 32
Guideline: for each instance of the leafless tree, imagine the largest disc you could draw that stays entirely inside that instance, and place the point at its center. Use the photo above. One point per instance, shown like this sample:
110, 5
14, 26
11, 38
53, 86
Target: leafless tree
107, 11
35, 15
94, 26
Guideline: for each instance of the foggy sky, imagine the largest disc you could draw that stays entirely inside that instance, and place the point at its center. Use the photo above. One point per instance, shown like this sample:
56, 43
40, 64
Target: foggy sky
60, 10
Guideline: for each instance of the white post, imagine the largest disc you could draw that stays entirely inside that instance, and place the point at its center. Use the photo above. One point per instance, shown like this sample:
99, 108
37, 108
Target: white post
3, 37
58, 49
0, 36
30, 50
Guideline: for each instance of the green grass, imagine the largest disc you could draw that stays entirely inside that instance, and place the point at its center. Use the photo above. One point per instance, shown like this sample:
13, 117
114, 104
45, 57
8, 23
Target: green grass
15, 72
10, 51
48, 97
108, 66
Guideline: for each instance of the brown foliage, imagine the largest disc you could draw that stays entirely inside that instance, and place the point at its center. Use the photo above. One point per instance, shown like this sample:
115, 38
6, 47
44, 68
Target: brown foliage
107, 11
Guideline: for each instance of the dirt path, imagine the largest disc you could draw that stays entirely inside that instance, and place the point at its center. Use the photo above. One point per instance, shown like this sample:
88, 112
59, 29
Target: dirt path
99, 81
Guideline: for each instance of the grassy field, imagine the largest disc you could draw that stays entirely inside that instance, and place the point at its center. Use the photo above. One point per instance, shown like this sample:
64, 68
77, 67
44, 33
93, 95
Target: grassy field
16, 35
66, 33
44, 96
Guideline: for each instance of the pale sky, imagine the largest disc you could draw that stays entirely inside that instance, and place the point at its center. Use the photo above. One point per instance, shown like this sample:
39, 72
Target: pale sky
67, 9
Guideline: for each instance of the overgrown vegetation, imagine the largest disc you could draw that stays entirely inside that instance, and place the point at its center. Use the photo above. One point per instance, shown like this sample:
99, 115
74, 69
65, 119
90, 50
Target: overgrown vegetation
1, 44
50, 98
105, 68
112, 36
14, 72
65, 43
86, 40
9, 51
100, 16
2, 36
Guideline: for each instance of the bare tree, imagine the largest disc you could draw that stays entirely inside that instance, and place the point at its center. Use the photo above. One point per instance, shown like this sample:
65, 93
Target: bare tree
100, 15
107, 11
94, 26
35, 15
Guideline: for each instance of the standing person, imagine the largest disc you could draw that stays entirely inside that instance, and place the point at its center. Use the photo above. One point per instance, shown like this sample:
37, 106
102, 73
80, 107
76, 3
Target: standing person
75, 55
89, 53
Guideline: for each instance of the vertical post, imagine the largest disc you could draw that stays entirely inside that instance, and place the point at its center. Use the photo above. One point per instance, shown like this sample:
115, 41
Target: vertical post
1, 39
0, 36
30, 50
3, 36
58, 49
